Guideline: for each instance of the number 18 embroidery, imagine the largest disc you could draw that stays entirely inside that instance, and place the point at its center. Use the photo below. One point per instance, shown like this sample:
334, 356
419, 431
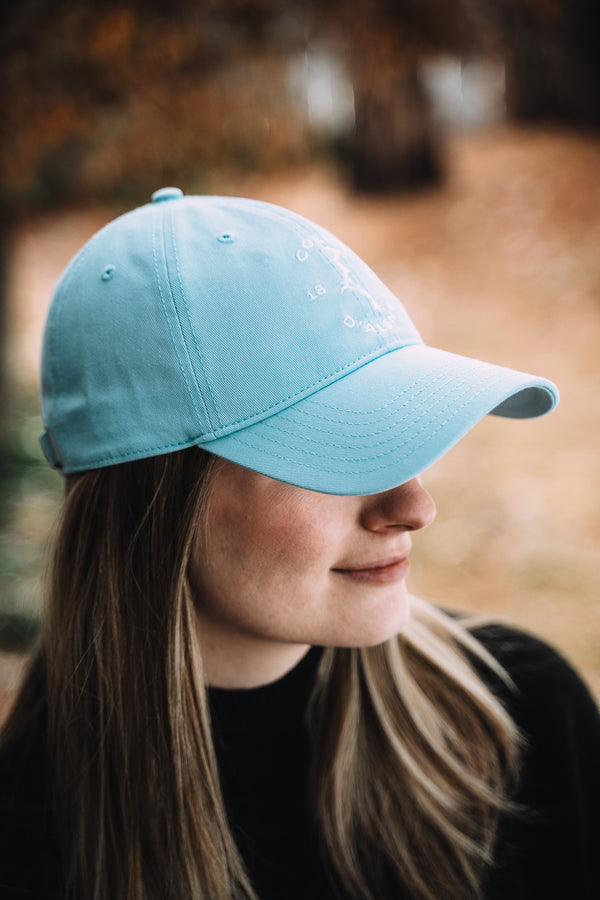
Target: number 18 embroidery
318, 289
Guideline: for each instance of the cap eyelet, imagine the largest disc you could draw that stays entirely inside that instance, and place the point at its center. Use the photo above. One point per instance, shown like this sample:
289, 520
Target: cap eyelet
108, 273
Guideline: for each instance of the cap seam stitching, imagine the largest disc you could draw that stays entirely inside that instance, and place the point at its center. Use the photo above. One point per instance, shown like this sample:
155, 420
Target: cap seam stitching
415, 419
187, 310
414, 390
314, 384
200, 439
359, 459
167, 317
96, 463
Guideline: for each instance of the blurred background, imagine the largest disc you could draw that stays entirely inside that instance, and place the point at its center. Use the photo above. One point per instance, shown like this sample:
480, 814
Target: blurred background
454, 144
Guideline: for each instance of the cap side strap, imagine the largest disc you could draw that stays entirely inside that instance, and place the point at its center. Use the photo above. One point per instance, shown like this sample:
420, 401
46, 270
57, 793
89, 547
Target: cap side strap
48, 450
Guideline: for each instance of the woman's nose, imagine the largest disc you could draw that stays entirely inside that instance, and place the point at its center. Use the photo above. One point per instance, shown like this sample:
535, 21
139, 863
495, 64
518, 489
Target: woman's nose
408, 507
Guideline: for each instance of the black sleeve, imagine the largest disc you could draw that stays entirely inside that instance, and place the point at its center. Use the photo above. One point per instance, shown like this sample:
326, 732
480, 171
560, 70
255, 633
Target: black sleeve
552, 848
28, 852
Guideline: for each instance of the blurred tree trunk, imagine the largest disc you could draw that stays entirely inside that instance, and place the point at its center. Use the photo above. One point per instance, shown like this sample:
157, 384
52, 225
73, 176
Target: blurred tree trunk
553, 61
394, 142
548, 80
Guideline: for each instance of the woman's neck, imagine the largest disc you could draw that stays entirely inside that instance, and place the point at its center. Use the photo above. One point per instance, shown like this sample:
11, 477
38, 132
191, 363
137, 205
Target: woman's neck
244, 661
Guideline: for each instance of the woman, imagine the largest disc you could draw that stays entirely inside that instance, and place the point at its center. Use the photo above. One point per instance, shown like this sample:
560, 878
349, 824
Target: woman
234, 695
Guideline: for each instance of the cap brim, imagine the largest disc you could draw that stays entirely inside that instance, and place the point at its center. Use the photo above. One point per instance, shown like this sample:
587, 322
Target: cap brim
383, 423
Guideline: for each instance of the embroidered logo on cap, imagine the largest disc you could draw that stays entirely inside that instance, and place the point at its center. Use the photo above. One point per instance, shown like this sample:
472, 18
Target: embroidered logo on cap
384, 317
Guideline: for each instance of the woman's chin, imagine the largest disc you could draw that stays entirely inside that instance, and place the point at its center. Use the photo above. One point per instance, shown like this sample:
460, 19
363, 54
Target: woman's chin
385, 619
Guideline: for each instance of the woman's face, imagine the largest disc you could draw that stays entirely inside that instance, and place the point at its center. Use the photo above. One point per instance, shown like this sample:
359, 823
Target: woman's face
278, 568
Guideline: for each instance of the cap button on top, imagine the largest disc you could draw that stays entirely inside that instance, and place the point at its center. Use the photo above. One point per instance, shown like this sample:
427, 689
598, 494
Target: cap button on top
167, 193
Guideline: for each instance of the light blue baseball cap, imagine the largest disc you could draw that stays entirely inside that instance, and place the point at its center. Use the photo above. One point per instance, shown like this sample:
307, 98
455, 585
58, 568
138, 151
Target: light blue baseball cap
244, 328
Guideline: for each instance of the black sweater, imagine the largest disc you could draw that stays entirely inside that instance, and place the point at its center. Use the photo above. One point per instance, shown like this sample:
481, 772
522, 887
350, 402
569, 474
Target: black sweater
262, 750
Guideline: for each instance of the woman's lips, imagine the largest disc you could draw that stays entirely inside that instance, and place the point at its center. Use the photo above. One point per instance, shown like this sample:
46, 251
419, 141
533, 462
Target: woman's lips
384, 572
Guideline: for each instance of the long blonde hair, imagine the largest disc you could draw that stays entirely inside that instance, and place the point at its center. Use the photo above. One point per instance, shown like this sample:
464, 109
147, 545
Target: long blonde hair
411, 753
